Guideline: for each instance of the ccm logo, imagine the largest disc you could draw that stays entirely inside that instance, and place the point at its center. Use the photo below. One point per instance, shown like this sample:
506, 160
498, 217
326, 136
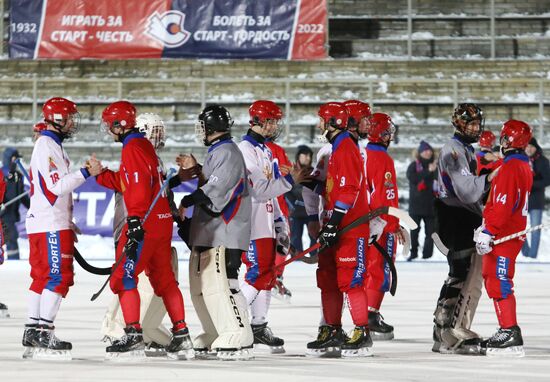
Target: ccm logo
164, 216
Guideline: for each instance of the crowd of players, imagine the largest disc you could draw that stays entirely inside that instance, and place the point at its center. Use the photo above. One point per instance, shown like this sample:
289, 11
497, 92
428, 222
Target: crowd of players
239, 216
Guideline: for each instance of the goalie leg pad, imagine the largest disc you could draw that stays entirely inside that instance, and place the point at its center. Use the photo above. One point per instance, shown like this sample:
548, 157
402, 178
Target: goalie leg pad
204, 340
227, 308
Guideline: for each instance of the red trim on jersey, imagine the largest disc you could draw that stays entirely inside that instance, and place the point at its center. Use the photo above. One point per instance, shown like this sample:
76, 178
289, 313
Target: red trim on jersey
50, 196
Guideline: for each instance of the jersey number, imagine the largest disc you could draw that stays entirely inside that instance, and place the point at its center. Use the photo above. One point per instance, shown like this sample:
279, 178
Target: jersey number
525, 210
54, 177
390, 194
501, 198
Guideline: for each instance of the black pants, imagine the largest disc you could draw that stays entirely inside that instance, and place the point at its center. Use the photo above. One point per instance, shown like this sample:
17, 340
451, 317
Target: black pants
429, 224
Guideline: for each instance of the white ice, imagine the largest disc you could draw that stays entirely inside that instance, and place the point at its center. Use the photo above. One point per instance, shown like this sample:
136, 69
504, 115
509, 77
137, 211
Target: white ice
408, 357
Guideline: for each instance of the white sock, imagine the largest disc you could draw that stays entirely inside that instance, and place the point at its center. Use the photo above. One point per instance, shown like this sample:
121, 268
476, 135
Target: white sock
322, 321
249, 292
33, 315
49, 306
260, 306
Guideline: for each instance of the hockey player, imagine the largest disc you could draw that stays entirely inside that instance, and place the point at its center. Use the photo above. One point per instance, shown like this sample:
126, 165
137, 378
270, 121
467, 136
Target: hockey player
3, 308
382, 183
220, 233
145, 245
152, 312
50, 228
342, 267
506, 213
458, 214
486, 160
267, 182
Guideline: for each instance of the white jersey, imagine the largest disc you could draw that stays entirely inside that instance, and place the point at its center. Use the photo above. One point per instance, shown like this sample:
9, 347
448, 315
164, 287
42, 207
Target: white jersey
266, 183
312, 198
52, 186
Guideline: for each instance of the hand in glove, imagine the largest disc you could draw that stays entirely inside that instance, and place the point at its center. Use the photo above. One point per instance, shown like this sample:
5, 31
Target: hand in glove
376, 227
282, 238
135, 234
329, 233
483, 241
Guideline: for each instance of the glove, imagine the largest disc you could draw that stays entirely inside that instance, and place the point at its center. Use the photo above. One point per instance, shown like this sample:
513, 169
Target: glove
376, 227
135, 234
329, 233
282, 238
483, 240
13, 176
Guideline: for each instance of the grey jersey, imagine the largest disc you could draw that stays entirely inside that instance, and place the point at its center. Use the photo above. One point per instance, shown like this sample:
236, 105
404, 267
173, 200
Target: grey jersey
458, 184
225, 220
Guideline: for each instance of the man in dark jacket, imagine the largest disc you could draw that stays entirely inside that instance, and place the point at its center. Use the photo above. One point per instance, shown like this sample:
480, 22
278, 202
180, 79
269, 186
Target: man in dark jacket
541, 179
421, 175
10, 214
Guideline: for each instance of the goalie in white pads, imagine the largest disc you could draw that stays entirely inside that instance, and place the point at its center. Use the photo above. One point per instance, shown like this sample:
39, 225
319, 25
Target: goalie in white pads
220, 232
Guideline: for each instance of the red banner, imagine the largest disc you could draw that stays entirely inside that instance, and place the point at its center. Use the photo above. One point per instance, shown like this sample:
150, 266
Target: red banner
310, 33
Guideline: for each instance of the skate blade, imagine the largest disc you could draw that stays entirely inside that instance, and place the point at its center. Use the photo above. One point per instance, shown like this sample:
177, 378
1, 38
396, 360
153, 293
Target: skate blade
205, 354
137, 355
236, 355
272, 349
379, 336
461, 350
182, 355
28, 352
281, 297
510, 352
4, 313
329, 352
155, 353
51, 355
361, 352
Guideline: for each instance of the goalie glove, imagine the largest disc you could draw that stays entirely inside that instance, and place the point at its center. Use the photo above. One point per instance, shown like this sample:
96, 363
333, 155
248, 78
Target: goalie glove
135, 235
281, 236
483, 240
329, 233
376, 228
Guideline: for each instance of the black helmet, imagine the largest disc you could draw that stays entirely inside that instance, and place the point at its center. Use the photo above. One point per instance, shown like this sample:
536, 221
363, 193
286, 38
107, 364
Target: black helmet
212, 119
463, 115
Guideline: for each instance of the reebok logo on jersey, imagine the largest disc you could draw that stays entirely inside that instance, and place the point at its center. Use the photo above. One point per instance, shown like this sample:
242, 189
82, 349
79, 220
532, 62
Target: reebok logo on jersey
348, 259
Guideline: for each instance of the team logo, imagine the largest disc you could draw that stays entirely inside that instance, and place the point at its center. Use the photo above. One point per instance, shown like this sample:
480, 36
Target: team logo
52, 166
388, 182
168, 28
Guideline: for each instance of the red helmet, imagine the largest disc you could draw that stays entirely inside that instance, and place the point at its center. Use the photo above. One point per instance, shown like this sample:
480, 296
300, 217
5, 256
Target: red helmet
356, 111
487, 139
58, 111
516, 134
335, 114
262, 110
381, 126
119, 114
38, 127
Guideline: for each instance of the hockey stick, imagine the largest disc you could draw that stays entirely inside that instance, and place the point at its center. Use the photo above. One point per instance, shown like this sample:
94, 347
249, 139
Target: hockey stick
439, 244
169, 175
393, 270
23, 170
11, 201
89, 267
400, 214
521, 233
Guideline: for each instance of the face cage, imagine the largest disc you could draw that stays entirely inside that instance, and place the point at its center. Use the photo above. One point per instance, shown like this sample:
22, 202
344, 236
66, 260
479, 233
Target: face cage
75, 119
200, 132
472, 135
157, 136
278, 129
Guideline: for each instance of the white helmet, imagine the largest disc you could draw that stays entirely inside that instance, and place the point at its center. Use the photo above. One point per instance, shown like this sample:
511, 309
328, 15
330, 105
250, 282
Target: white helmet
151, 124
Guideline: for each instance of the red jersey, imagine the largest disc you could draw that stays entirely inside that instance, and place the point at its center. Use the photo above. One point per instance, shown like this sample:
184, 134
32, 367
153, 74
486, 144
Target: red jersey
279, 154
2, 186
346, 184
139, 180
382, 183
506, 209
485, 165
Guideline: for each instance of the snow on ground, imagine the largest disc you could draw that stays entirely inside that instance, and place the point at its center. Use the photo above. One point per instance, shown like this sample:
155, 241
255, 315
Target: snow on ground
408, 357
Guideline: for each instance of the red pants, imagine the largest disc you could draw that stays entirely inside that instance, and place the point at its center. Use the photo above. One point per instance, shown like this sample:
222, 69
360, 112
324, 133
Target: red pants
341, 269
498, 274
379, 275
1, 244
154, 256
260, 263
51, 260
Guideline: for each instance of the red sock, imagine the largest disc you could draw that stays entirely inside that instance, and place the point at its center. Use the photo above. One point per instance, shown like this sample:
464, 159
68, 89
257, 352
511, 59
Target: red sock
375, 298
278, 260
332, 303
173, 301
506, 311
358, 306
129, 304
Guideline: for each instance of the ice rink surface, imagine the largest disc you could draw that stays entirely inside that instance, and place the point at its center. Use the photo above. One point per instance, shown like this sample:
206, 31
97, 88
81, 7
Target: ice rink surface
408, 357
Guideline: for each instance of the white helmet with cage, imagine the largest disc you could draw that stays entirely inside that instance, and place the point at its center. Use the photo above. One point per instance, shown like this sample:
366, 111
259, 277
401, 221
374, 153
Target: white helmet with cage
152, 125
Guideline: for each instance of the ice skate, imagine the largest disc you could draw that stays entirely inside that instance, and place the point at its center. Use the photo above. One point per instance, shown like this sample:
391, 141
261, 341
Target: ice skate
30, 341
359, 345
181, 346
504, 343
328, 343
129, 347
153, 349
4, 313
50, 347
280, 291
242, 354
379, 330
264, 336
